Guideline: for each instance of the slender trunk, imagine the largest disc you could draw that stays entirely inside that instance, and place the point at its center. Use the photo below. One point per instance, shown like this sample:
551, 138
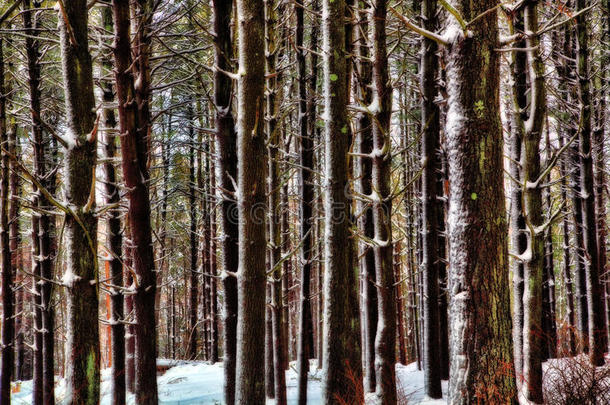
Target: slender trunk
566, 268
430, 119
7, 353
16, 254
274, 134
305, 213
364, 141
130, 340
517, 219
194, 273
342, 362
595, 305
133, 94
528, 123
114, 236
443, 300
477, 231
385, 340
213, 265
251, 203
398, 294
549, 324
83, 357
286, 269
226, 173
269, 367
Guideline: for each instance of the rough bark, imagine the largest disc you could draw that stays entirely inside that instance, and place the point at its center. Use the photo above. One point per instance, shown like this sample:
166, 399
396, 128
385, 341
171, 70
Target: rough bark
595, 304
480, 343
528, 120
274, 134
430, 121
114, 235
16, 252
385, 340
83, 346
342, 362
549, 324
7, 353
226, 170
194, 241
133, 94
307, 195
251, 204
566, 268
364, 142
517, 219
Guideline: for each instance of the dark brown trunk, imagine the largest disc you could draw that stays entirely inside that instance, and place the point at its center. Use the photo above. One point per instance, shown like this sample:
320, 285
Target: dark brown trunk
83, 349
431, 206
251, 151
226, 173
7, 353
595, 304
307, 196
364, 142
194, 241
342, 360
114, 235
481, 344
133, 94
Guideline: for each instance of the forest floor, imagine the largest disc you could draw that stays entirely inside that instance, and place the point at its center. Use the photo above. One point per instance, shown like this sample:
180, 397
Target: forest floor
190, 383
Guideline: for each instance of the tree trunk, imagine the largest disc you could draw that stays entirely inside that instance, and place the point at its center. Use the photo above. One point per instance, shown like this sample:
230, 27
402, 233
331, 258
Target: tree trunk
566, 268
274, 134
517, 219
430, 119
251, 199
364, 142
83, 357
114, 236
133, 94
307, 197
16, 253
226, 173
194, 239
480, 342
342, 362
528, 123
7, 353
385, 340
549, 323
595, 304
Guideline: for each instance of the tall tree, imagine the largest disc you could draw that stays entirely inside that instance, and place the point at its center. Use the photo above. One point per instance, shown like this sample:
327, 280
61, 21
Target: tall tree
385, 340
480, 343
114, 236
595, 303
226, 173
81, 277
251, 198
274, 134
529, 123
133, 94
7, 353
43, 224
341, 356
430, 119
364, 143
193, 237
307, 196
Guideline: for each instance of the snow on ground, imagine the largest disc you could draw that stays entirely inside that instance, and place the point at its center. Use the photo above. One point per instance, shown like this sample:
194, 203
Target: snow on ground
410, 386
199, 383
